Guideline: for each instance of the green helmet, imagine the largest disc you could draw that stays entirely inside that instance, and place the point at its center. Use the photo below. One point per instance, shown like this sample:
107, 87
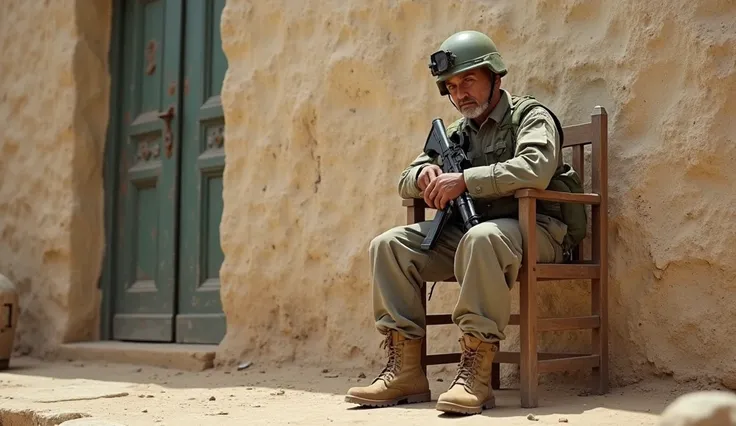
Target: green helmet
464, 51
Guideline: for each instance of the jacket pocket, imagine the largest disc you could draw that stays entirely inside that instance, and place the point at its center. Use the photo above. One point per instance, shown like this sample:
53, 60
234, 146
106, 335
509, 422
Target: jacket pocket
496, 153
556, 228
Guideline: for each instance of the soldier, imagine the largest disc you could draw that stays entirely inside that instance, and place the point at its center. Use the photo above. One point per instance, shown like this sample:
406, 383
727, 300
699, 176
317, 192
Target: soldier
513, 143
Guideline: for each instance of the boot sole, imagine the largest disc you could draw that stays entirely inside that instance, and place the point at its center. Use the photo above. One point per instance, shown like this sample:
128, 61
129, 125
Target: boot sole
450, 407
409, 399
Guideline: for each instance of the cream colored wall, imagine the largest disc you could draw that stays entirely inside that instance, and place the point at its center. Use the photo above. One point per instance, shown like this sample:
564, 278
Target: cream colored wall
326, 102
54, 88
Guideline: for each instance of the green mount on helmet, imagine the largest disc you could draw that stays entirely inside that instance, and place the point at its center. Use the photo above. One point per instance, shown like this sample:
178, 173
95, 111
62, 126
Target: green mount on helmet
462, 52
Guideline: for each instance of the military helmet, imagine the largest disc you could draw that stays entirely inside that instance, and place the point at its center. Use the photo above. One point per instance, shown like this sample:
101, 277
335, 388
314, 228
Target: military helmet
464, 51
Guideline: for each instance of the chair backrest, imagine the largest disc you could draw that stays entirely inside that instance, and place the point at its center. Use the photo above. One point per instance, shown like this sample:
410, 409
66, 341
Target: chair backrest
595, 134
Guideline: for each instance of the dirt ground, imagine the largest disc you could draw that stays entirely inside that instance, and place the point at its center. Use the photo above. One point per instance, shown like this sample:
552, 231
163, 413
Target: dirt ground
259, 395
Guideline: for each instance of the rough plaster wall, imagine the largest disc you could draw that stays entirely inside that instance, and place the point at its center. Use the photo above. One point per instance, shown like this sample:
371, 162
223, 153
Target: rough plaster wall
327, 101
53, 110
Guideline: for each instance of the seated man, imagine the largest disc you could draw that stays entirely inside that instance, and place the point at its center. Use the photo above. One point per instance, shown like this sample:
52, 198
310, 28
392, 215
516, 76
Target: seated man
512, 143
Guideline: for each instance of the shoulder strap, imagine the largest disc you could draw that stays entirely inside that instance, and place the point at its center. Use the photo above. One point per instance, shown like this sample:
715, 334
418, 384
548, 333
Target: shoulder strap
520, 106
454, 134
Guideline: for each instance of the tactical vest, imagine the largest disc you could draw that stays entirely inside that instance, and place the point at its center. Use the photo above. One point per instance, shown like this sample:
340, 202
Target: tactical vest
565, 178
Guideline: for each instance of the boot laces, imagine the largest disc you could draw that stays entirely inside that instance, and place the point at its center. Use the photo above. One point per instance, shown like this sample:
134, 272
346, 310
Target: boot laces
393, 365
467, 369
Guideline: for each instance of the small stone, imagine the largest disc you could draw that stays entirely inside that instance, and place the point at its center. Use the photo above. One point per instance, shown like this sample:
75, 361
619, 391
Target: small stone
212, 398
138, 370
244, 365
325, 371
278, 392
144, 411
149, 396
562, 420
440, 380
249, 388
361, 375
331, 376
532, 417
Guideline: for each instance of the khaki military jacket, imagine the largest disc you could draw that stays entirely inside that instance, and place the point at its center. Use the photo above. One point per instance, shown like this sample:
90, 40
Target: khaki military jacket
496, 172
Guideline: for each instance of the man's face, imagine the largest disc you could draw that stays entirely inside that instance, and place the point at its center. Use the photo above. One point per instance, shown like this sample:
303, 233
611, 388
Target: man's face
471, 92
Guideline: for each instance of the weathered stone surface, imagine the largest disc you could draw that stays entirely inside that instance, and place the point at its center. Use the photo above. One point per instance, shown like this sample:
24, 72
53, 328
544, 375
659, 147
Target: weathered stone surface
54, 89
26, 417
710, 408
332, 99
90, 421
181, 357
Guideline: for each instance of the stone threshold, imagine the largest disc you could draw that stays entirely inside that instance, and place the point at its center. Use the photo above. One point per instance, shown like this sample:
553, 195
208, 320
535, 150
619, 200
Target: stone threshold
186, 357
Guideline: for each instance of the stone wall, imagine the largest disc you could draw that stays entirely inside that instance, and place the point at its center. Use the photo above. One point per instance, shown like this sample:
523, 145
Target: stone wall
54, 88
325, 103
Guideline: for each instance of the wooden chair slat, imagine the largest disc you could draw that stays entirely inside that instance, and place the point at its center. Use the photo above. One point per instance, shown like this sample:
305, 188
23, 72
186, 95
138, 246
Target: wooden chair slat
562, 271
567, 364
559, 197
578, 134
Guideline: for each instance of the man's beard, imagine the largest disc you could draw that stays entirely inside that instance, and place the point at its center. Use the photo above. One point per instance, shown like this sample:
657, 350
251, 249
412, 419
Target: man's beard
471, 112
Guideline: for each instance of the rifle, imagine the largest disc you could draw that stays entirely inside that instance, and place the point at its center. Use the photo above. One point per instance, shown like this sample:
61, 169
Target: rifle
454, 160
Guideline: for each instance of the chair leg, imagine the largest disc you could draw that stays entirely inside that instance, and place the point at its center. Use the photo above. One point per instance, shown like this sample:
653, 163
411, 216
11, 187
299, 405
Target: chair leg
599, 298
599, 377
528, 305
496, 376
423, 355
529, 361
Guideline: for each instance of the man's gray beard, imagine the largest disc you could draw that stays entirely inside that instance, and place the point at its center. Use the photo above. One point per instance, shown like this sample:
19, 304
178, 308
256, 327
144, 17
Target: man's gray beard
476, 111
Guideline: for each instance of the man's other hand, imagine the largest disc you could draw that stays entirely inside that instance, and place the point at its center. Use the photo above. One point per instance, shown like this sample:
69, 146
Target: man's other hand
443, 189
427, 175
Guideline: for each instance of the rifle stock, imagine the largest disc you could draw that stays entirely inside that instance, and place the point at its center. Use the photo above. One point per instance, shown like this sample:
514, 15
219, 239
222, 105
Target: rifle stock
454, 160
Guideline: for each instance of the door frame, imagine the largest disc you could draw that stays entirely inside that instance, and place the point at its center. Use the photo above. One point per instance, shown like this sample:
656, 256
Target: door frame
110, 175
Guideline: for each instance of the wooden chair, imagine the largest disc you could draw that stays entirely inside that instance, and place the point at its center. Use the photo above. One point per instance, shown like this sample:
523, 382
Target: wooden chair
595, 269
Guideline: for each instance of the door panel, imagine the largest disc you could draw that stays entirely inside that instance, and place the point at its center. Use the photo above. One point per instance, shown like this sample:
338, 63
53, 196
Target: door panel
148, 172
200, 318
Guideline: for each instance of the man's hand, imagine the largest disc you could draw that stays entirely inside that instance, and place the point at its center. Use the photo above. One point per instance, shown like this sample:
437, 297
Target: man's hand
443, 189
427, 175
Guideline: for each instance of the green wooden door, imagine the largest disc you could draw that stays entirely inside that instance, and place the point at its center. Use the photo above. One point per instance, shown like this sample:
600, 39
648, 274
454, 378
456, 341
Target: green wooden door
170, 158
199, 316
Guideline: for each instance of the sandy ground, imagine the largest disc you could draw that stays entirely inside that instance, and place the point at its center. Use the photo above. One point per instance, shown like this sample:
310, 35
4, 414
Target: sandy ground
135, 395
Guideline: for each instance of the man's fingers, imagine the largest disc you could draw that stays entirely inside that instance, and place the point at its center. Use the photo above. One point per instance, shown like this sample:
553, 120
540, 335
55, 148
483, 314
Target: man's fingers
427, 197
439, 200
422, 182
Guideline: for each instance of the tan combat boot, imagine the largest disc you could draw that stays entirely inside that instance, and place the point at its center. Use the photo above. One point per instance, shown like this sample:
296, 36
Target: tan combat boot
401, 381
470, 390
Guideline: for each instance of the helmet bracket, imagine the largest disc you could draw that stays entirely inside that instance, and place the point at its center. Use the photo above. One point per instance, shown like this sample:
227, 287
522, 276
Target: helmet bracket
441, 61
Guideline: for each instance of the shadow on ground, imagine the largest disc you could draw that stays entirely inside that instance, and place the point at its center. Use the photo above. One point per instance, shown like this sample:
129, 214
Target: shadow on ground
560, 401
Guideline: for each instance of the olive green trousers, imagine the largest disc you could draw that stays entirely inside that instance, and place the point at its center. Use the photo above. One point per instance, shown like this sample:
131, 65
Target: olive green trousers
485, 261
